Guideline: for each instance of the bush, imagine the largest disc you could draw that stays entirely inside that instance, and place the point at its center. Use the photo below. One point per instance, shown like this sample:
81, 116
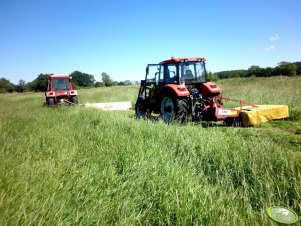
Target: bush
211, 77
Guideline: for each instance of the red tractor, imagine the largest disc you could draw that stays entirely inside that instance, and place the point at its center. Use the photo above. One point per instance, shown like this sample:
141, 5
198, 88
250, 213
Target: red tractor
178, 89
60, 90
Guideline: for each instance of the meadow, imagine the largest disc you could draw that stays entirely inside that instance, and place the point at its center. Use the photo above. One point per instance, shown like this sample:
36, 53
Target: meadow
81, 166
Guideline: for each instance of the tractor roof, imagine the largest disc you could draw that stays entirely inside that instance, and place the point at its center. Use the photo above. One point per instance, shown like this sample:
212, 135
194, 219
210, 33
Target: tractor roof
58, 76
183, 59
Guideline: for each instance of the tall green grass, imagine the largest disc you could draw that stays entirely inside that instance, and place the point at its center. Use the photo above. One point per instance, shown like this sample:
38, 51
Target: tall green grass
77, 166
109, 94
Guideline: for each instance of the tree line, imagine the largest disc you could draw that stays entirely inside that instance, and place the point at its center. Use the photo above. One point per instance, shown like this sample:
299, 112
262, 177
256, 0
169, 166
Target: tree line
283, 68
84, 80
79, 79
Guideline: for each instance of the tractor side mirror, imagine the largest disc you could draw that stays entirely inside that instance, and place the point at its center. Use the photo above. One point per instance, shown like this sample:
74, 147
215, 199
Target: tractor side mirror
147, 70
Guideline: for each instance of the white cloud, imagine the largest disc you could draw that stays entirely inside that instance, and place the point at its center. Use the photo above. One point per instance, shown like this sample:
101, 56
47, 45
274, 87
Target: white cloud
272, 47
274, 37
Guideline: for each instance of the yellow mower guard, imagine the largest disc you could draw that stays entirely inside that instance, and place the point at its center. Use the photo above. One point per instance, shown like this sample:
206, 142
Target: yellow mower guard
262, 113
254, 114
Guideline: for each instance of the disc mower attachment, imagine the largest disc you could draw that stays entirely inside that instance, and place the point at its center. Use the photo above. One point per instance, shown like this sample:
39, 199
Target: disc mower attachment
253, 115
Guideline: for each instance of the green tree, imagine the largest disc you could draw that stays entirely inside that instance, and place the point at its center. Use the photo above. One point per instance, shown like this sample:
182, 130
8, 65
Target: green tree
286, 68
99, 84
40, 83
298, 65
20, 88
267, 72
106, 79
127, 82
82, 79
211, 77
6, 86
254, 70
234, 75
291, 69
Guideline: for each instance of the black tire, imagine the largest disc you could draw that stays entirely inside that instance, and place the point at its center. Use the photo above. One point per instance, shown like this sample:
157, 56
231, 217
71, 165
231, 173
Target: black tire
50, 102
168, 109
74, 100
141, 108
174, 109
182, 111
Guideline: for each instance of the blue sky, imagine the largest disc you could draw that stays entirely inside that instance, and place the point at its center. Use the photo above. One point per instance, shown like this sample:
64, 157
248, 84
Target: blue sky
122, 37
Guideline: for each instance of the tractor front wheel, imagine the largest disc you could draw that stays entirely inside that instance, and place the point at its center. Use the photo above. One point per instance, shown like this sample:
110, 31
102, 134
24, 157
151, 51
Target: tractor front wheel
50, 102
74, 100
141, 108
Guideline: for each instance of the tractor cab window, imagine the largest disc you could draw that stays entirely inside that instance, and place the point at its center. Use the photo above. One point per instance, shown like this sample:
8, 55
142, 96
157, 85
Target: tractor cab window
48, 84
154, 76
61, 84
154, 73
192, 72
170, 74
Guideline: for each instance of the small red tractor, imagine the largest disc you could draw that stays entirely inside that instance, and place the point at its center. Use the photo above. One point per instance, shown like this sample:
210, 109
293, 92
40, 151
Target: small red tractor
60, 90
178, 89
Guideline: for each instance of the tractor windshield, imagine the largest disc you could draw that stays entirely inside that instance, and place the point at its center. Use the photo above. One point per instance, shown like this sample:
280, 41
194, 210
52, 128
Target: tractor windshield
60, 84
192, 72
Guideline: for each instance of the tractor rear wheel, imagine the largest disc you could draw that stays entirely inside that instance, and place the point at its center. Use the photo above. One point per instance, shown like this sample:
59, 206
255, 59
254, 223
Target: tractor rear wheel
174, 109
141, 108
168, 109
183, 110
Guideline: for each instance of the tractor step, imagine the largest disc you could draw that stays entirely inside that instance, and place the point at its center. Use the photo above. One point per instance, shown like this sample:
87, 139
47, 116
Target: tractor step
110, 106
253, 115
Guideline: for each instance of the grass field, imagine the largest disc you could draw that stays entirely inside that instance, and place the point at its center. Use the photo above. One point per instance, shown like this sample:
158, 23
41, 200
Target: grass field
78, 166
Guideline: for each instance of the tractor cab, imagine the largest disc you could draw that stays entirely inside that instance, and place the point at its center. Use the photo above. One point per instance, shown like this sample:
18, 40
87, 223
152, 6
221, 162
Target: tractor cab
60, 90
177, 71
59, 84
184, 70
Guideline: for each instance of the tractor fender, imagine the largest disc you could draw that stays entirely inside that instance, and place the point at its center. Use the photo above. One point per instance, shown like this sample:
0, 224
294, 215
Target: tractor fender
50, 94
177, 90
210, 88
73, 93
